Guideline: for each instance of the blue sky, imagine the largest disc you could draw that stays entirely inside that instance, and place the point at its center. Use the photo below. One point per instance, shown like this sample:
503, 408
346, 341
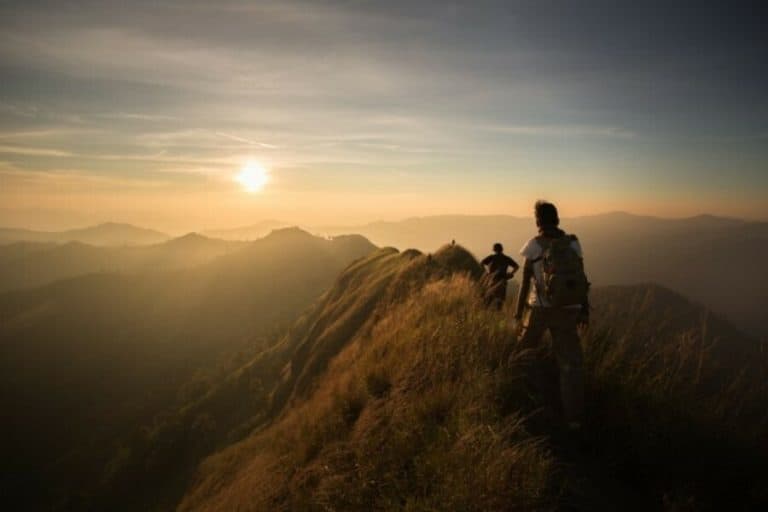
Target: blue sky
145, 111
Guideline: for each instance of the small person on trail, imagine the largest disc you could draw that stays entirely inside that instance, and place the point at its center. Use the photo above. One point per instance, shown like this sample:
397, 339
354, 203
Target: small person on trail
554, 296
497, 276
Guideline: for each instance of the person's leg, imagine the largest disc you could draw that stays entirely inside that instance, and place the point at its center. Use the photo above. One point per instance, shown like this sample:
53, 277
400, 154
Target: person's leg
501, 294
491, 290
532, 328
527, 358
567, 349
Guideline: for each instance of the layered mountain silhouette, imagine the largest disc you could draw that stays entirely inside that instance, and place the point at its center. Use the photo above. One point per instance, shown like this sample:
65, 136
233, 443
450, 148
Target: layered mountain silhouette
714, 260
108, 233
84, 360
252, 232
398, 389
30, 264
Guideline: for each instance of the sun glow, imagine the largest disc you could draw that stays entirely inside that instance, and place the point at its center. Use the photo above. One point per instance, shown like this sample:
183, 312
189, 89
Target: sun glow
253, 176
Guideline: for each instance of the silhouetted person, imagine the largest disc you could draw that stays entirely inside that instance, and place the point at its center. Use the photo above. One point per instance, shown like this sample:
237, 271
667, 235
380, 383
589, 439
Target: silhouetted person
497, 265
554, 296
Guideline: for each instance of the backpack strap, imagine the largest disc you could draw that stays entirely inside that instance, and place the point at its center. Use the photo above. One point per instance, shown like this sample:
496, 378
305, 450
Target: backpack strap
540, 240
543, 245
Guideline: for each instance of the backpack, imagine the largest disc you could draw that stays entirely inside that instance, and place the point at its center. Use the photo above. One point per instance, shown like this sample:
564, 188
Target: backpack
564, 281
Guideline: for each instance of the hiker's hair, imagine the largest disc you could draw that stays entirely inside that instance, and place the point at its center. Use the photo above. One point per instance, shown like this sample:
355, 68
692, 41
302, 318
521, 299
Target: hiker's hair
546, 213
497, 247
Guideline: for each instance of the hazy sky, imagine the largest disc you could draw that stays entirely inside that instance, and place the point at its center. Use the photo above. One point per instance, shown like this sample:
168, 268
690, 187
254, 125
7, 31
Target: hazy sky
145, 111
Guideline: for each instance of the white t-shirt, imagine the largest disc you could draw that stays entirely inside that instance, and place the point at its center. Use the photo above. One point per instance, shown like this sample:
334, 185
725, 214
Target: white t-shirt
533, 250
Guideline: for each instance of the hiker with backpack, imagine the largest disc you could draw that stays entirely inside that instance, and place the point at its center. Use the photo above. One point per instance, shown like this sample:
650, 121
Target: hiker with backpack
496, 279
554, 296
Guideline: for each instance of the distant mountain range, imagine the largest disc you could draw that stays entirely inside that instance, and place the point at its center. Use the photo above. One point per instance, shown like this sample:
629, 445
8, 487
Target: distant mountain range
27, 264
717, 261
479, 232
109, 233
252, 232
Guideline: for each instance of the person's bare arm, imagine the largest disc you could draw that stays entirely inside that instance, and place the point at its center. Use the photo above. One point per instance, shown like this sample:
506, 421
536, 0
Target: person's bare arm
515, 268
485, 262
525, 288
583, 321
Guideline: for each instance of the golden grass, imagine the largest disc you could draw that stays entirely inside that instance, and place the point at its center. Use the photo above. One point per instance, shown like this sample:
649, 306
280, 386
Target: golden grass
406, 418
405, 393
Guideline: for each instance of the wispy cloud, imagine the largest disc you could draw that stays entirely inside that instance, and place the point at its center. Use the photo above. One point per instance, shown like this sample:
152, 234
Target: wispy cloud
353, 90
28, 111
137, 116
246, 141
35, 151
46, 133
560, 130
159, 157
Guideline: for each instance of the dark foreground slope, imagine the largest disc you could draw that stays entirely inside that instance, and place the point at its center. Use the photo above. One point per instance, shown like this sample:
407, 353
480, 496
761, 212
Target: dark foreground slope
399, 391
86, 361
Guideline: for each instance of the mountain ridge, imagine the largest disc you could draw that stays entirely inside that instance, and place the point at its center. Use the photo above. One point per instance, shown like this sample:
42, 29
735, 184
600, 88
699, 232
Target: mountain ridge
330, 390
343, 427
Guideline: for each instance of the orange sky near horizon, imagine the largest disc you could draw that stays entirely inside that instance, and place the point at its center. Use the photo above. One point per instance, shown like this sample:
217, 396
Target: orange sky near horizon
56, 202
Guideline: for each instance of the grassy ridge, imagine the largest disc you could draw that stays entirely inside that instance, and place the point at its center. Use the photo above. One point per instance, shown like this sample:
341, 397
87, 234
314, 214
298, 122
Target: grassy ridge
422, 402
400, 416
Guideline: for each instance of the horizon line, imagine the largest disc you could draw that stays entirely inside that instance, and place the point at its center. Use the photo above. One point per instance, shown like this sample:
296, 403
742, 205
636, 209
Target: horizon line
376, 221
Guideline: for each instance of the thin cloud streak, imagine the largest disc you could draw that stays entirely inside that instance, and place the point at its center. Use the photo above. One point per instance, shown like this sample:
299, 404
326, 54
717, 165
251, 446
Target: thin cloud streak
153, 158
561, 131
246, 141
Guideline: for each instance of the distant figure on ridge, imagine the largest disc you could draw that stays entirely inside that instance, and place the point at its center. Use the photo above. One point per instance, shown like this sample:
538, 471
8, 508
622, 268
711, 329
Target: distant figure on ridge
554, 296
497, 276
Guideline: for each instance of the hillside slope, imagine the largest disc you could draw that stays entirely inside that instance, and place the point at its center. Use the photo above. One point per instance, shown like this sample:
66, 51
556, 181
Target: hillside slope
398, 390
261, 388
87, 360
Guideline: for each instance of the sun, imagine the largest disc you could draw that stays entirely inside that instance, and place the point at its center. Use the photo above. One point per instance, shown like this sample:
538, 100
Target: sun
253, 176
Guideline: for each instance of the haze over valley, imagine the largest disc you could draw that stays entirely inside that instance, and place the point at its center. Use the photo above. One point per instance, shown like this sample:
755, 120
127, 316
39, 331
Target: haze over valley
695, 256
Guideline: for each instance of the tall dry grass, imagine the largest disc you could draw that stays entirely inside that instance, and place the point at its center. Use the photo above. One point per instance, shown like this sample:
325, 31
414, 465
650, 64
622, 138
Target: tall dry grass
408, 417
427, 404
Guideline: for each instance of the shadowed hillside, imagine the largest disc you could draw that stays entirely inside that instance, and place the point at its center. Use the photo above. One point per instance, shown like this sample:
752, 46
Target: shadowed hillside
86, 360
